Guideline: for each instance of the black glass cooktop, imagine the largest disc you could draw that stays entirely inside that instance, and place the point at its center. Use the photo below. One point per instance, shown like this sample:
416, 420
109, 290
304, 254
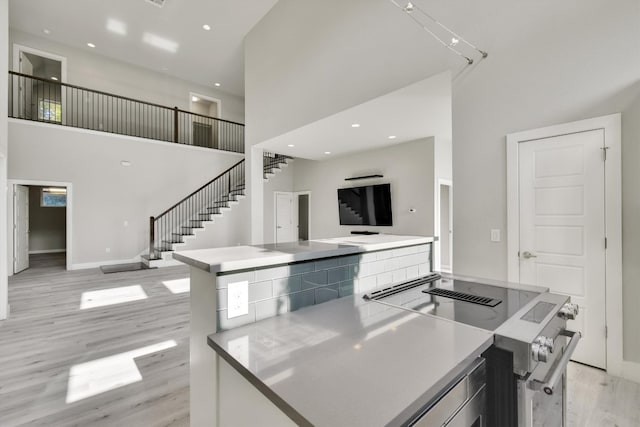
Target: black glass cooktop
465, 311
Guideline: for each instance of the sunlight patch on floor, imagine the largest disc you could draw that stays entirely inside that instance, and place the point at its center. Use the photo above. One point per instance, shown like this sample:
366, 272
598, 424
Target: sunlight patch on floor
104, 297
108, 373
178, 286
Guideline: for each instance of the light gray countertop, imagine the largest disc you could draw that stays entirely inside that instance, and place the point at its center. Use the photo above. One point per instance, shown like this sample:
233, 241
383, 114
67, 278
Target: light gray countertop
349, 362
233, 258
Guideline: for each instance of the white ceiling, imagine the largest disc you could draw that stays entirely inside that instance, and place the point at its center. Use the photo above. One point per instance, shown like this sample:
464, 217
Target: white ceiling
201, 56
417, 111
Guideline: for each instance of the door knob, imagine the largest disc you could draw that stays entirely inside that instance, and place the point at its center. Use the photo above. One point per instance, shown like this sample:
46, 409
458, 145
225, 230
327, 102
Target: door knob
527, 255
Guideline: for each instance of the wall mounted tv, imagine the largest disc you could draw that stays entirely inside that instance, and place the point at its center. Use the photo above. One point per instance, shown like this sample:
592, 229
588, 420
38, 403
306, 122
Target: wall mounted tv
368, 205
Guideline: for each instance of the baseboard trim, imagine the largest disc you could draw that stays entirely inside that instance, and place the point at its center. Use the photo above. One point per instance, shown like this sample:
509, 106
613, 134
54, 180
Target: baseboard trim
47, 251
87, 265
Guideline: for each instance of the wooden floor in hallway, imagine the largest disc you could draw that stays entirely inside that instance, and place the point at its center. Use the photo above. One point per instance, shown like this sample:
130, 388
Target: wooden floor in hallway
83, 348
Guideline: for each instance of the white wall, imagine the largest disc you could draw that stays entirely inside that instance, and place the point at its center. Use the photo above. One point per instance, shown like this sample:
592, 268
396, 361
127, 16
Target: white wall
631, 225
228, 230
407, 167
106, 194
4, 65
281, 181
93, 71
309, 59
47, 225
580, 64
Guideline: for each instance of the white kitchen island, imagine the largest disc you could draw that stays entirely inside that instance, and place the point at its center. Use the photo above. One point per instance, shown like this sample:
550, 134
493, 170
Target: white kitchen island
280, 279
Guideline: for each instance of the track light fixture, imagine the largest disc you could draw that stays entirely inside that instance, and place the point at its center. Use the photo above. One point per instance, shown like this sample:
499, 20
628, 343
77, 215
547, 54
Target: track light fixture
425, 20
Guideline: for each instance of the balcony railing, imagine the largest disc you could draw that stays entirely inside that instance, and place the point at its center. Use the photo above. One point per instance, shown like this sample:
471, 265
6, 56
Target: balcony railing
49, 101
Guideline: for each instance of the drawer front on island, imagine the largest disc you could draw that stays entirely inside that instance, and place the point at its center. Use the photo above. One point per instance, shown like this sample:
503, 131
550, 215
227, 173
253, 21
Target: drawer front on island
275, 290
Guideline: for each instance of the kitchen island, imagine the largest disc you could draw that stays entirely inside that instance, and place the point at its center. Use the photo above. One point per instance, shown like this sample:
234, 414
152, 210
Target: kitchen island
280, 279
349, 362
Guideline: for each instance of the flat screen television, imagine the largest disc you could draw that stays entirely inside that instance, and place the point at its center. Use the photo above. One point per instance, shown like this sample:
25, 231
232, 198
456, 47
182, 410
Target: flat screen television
368, 205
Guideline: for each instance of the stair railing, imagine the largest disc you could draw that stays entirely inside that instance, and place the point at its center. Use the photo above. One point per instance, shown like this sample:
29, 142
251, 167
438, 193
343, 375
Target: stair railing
50, 101
189, 213
271, 161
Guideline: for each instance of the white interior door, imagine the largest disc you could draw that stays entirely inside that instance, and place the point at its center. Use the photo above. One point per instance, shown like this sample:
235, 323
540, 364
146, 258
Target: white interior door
562, 228
21, 228
284, 217
27, 109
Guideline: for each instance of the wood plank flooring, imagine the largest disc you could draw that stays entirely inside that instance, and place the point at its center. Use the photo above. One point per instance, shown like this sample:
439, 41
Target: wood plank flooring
47, 334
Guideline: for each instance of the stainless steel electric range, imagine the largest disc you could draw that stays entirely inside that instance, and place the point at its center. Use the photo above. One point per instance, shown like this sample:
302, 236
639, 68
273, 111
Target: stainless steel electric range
526, 366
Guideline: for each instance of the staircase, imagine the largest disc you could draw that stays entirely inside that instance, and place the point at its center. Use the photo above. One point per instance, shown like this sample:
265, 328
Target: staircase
171, 228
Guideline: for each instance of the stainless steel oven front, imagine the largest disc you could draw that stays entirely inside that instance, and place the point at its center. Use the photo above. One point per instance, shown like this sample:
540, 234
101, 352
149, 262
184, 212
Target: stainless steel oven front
541, 347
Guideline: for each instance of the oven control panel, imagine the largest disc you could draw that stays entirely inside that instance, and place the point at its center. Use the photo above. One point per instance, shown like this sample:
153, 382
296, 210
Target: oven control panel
531, 333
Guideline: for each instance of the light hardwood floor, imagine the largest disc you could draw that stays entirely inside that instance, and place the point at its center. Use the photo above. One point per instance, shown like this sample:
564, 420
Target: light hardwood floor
47, 334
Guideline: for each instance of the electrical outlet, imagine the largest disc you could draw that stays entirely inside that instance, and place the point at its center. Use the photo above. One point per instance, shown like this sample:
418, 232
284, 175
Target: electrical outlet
126, 223
237, 299
107, 250
495, 235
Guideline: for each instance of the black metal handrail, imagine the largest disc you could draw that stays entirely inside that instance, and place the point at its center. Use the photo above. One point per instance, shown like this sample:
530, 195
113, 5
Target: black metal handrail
49, 101
189, 213
271, 161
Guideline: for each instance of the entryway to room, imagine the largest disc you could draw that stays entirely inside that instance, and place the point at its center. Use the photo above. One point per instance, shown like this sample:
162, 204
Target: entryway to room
41, 226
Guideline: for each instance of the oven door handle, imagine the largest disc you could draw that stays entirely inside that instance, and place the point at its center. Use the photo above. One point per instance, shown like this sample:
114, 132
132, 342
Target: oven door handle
552, 380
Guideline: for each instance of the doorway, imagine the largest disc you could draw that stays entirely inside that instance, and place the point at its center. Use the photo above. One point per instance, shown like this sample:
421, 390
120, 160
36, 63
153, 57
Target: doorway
303, 214
284, 217
41, 218
39, 99
445, 229
204, 129
563, 191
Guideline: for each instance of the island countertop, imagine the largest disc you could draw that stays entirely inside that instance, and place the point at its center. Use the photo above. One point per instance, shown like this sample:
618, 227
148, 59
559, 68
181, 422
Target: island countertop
217, 260
350, 362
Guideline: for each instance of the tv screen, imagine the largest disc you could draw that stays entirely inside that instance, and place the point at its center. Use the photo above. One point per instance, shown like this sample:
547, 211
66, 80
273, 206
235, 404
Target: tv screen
369, 205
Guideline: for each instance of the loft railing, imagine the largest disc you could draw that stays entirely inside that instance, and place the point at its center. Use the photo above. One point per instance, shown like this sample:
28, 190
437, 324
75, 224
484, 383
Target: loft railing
49, 101
189, 213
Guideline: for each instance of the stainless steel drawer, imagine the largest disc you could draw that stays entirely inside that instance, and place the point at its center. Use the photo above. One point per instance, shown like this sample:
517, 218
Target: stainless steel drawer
452, 404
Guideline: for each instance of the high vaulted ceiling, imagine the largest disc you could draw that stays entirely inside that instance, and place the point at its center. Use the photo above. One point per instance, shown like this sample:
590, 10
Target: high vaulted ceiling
176, 42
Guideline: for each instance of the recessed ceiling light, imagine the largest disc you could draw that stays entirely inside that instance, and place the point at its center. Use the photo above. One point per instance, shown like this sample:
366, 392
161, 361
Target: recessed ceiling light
164, 68
91, 45
125, 163
355, 125
54, 78
195, 99
327, 152
216, 84
392, 137
206, 27
290, 145
46, 31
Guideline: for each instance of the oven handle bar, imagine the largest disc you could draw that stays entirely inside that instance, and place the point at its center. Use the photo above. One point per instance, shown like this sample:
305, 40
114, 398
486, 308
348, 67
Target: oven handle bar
549, 385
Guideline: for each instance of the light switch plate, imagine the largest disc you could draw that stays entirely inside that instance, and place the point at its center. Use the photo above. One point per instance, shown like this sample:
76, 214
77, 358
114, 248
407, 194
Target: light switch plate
495, 235
237, 299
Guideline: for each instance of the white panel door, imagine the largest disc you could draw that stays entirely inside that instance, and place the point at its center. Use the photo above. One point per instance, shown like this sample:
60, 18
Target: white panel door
21, 228
562, 229
284, 217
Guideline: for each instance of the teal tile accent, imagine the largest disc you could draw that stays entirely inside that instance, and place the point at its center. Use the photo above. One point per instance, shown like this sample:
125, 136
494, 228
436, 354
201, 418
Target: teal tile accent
324, 264
314, 279
327, 293
301, 299
339, 274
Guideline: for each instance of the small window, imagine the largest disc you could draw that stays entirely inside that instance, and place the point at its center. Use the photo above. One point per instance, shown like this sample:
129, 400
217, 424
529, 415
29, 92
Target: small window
53, 198
50, 110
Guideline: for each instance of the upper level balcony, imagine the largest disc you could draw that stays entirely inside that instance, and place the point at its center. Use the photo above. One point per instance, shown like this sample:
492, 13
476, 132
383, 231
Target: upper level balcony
53, 102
